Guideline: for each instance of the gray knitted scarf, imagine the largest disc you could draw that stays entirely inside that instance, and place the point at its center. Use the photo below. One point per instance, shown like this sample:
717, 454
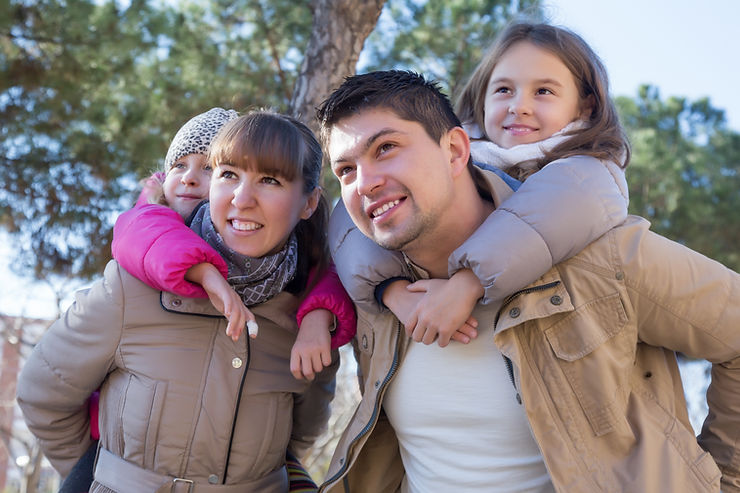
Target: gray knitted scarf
255, 279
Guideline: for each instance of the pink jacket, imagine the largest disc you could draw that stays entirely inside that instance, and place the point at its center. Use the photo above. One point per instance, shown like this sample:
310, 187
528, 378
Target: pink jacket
153, 244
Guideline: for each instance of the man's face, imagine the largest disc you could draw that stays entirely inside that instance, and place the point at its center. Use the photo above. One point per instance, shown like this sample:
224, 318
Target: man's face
395, 179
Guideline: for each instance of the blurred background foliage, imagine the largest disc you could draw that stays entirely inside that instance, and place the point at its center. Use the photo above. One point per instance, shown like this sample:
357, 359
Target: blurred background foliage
91, 92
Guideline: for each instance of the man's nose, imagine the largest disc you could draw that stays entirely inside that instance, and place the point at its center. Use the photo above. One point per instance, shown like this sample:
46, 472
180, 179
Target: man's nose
369, 179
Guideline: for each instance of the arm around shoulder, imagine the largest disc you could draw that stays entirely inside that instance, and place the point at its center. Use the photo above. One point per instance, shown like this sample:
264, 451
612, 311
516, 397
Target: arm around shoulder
153, 244
555, 213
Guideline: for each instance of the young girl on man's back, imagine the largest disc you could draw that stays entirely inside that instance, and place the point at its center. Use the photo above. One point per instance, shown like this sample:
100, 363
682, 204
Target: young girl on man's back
537, 107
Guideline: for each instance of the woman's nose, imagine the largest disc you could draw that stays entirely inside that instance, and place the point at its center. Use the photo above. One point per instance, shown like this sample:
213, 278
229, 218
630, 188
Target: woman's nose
244, 196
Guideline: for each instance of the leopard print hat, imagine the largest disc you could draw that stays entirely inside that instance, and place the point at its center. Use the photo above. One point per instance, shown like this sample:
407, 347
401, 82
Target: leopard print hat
196, 135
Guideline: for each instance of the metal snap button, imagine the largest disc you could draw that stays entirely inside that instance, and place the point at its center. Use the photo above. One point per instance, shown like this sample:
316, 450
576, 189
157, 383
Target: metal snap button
556, 300
176, 302
213, 479
515, 312
619, 275
236, 362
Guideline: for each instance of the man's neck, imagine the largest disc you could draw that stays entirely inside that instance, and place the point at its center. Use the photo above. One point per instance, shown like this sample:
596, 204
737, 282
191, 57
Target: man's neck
431, 252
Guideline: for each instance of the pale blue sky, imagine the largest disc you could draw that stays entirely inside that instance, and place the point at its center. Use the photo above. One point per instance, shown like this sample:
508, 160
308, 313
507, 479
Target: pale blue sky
685, 47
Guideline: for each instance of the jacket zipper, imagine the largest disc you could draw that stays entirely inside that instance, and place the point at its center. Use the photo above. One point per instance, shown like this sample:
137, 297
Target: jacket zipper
236, 410
376, 409
507, 360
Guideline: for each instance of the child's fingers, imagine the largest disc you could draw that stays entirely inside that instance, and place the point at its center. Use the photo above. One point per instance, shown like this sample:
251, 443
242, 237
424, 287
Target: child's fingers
430, 335
295, 366
468, 330
418, 286
307, 366
460, 337
326, 357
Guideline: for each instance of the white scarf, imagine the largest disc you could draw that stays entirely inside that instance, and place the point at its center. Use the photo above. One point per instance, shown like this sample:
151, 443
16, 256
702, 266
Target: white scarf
523, 156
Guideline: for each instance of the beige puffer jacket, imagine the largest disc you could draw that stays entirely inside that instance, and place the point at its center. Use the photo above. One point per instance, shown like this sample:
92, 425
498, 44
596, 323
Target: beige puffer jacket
179, 399
592, 348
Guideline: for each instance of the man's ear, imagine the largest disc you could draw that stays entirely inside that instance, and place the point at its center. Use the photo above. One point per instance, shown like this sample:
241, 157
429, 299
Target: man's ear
312, 202
458, 144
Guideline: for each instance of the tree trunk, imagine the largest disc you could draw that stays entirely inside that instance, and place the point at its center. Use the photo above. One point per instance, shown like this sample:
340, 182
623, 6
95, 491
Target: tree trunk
340, 28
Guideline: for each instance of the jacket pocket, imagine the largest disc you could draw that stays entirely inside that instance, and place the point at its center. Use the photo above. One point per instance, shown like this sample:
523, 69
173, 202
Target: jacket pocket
595, 354
142, 413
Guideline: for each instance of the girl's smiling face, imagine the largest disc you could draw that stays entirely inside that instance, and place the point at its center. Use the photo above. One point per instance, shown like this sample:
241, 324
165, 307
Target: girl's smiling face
531, 95
255, 212
186, 183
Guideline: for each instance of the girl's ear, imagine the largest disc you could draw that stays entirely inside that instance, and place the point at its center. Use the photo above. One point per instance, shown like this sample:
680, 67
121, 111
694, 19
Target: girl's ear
312, 202
458, 144
587, 106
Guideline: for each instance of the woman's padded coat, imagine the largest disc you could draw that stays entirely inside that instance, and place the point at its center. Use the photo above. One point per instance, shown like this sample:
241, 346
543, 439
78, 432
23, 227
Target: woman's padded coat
178, 396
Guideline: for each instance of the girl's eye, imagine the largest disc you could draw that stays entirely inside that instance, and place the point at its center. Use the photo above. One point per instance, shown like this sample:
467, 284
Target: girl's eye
227, 174
208, 167
543, 90
502, 90
270, 180
177, 165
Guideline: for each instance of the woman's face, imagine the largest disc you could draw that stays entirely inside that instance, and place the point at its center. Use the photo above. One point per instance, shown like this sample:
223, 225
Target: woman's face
255, 212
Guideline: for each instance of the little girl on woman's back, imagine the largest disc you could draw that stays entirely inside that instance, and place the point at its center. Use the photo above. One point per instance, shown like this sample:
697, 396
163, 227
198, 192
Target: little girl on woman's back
154, 245
537, 107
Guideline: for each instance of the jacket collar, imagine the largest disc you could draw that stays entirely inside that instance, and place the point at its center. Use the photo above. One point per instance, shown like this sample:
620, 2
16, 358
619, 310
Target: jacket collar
191, 306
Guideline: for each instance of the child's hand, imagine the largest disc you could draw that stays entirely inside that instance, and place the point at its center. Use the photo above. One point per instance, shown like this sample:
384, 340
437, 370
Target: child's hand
224, 299
312, 348
423, 310
444, 311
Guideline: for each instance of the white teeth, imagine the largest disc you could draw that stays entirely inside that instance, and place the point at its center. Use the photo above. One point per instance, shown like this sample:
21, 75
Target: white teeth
385, 207
245, 226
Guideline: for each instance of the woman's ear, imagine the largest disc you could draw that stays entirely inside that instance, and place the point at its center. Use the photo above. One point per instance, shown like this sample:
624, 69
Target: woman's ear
459, 146
312, 202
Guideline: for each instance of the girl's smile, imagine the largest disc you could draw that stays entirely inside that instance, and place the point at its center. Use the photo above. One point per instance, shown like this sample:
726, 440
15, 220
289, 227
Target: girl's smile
531, 95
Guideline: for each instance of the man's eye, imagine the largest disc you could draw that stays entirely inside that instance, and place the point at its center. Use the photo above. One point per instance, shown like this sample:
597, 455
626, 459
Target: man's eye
383, 148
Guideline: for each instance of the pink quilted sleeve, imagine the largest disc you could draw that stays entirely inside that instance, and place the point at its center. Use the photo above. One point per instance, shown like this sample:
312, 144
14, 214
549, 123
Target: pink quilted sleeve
329, 294
154, 245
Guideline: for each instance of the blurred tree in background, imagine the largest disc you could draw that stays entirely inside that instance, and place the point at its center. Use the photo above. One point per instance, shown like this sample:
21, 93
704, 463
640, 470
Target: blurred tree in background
92, 91
685, 172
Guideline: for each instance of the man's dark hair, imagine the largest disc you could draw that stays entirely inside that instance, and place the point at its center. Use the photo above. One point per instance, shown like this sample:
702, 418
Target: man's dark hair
408, 94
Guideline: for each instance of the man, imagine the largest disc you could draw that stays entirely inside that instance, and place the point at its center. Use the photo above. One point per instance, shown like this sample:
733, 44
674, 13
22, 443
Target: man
596, 402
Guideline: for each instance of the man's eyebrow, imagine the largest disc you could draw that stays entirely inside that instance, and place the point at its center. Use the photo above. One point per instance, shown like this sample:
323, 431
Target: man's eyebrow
369, 142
